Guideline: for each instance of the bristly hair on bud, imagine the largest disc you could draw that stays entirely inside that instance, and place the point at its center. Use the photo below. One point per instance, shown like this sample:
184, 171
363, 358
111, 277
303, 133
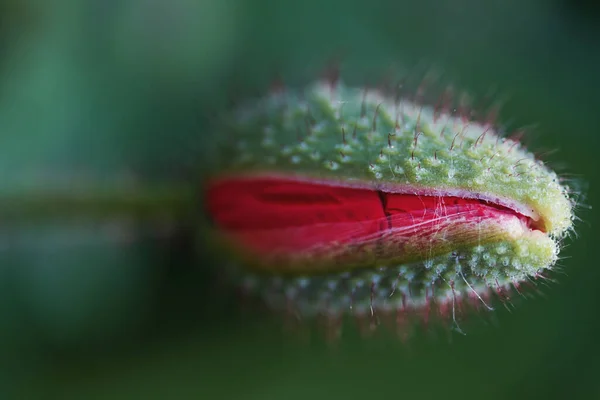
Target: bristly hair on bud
335, 200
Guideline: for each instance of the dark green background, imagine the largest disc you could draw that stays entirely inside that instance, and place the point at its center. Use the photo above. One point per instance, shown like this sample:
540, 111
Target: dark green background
111, 86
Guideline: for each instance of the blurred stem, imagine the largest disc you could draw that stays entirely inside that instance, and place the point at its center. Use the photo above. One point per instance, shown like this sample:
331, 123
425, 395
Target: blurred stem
167, 201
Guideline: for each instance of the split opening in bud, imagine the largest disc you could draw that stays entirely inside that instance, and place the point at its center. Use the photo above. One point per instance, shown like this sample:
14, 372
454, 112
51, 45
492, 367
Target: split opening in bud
285, 221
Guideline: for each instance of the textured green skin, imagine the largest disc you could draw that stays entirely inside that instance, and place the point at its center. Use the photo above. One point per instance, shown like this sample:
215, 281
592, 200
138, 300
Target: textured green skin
357, 137
390, 287
303, 135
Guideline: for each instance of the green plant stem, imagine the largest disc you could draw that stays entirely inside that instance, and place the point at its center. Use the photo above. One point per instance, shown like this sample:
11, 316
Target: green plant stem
158, 201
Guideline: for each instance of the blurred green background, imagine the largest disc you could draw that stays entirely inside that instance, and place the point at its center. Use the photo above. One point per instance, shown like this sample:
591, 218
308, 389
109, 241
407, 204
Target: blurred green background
114, 89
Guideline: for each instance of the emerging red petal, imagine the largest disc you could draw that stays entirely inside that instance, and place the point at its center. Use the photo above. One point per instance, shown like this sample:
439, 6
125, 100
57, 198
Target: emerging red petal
287, 219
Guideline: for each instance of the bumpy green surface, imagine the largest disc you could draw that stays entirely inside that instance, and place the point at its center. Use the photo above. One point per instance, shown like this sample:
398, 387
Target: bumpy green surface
354, 135
358, 137
444, 279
